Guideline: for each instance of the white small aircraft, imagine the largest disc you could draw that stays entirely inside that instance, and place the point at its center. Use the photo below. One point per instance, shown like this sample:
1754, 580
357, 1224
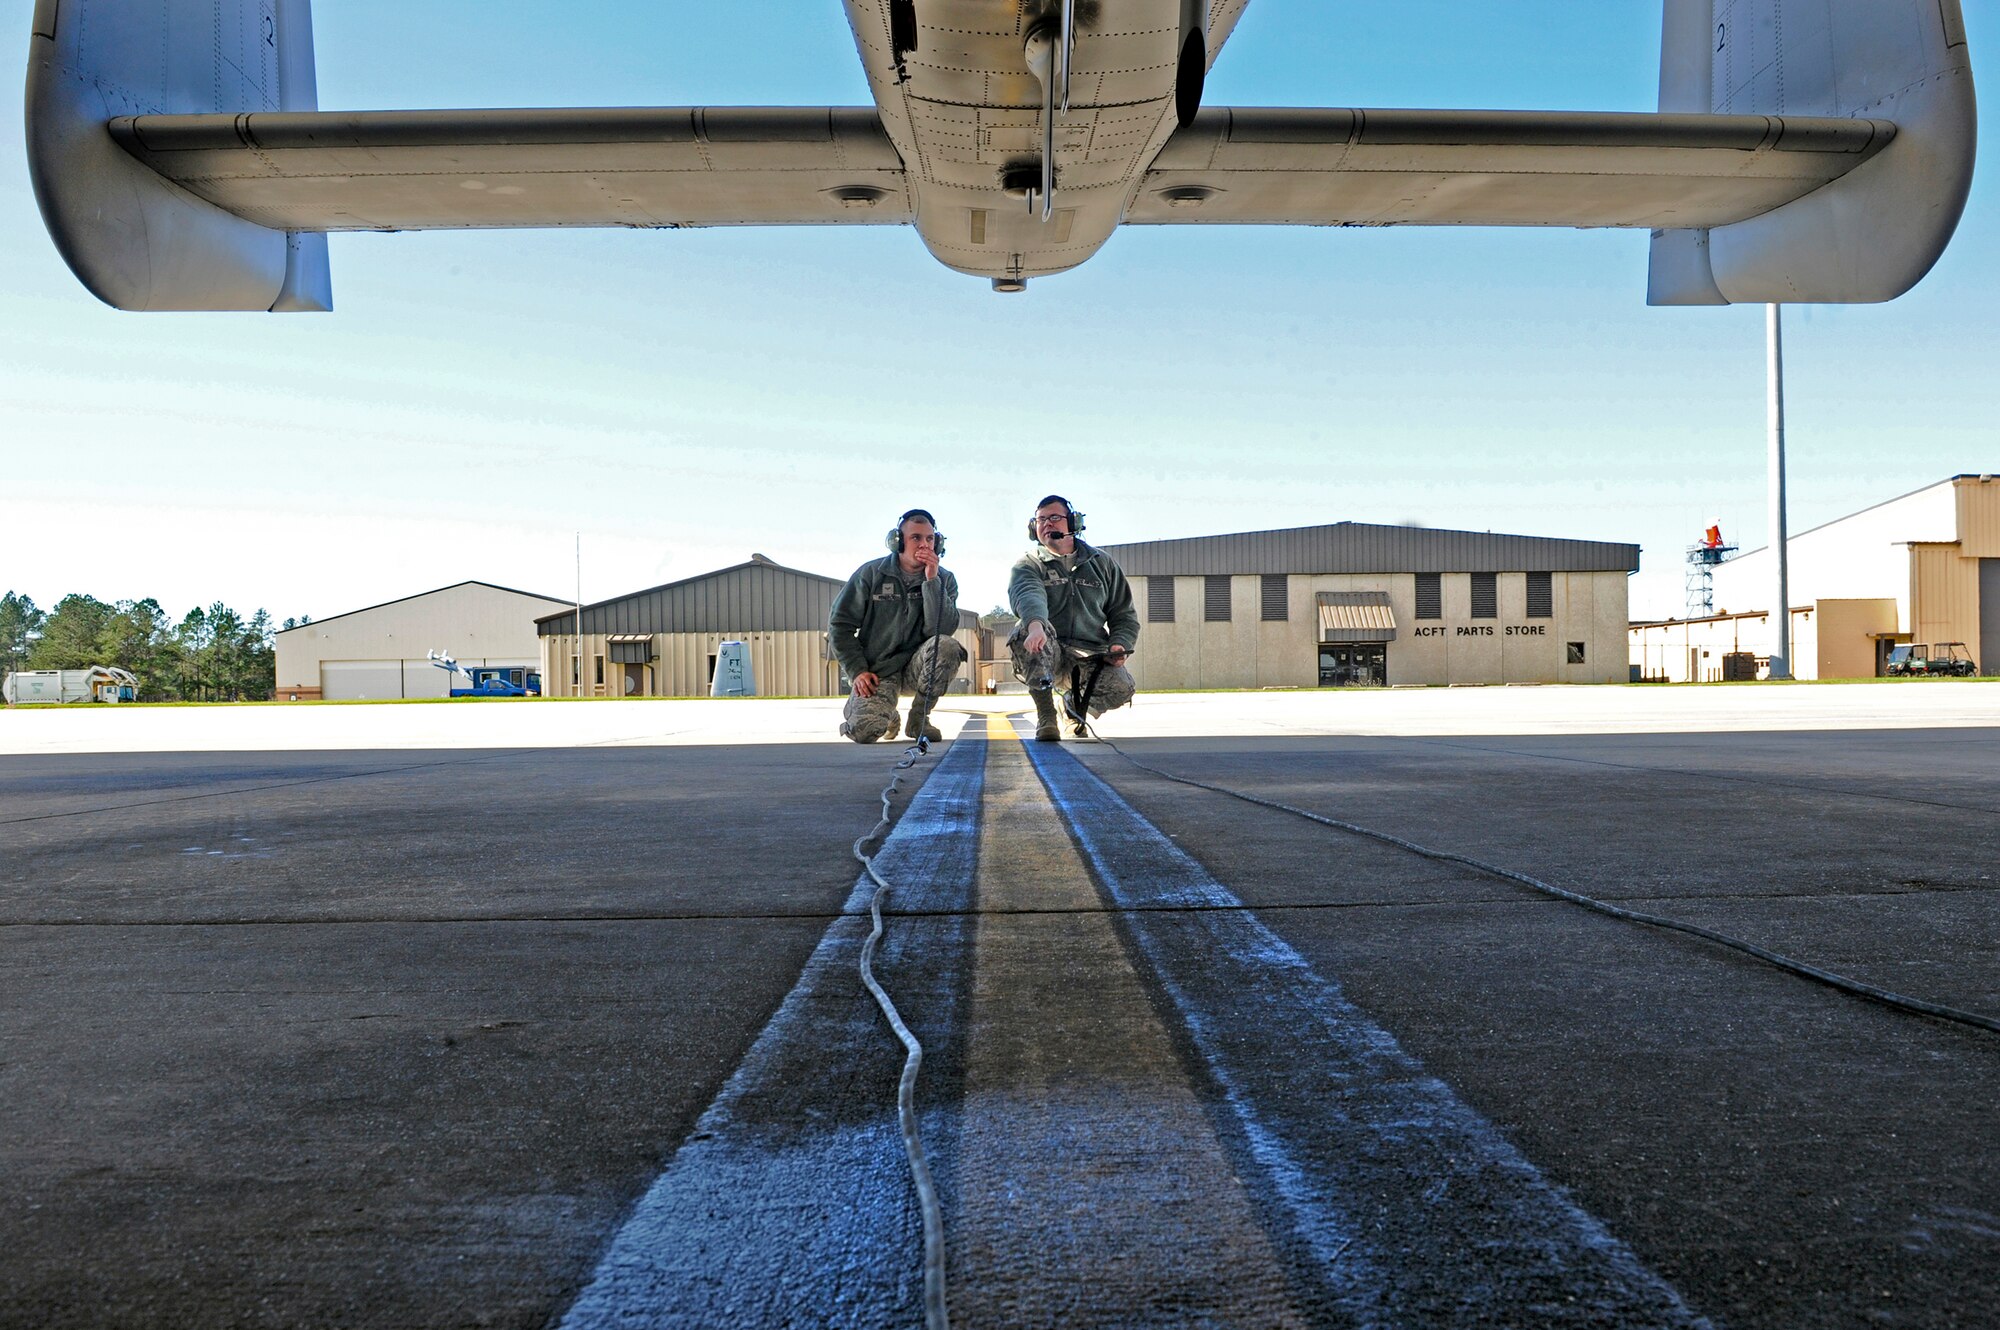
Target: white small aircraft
1804, 150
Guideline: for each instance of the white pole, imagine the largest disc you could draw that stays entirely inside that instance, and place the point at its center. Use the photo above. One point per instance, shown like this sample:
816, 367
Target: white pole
576, 661
1781, 639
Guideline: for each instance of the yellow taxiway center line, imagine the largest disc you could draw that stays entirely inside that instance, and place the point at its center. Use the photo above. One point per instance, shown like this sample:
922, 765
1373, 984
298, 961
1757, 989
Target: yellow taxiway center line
1092, 1187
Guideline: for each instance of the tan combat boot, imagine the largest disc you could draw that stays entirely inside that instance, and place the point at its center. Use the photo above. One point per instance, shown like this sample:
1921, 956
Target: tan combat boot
920, 726
1047, 730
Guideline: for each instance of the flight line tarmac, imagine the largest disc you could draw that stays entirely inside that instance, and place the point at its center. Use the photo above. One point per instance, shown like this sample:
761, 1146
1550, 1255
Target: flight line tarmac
539, 1014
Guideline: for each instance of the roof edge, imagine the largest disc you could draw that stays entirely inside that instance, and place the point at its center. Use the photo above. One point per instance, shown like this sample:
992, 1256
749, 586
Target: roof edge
1791, 536
1628, 553
419, 595
754, 561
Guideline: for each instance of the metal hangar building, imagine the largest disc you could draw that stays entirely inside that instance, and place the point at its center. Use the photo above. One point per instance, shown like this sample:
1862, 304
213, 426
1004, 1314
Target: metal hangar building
382, 651
663, 641
1358, 604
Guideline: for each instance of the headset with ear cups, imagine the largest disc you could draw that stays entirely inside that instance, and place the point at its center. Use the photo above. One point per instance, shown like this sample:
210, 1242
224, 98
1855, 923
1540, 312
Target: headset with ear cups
894, 540
1075, 517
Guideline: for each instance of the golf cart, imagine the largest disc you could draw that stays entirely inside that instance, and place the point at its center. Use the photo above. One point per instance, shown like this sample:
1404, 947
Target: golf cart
1917, 658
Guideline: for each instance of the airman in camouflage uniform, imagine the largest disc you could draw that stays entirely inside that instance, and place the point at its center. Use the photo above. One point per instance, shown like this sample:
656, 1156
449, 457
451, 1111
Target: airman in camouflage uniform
1078, 626
891, 629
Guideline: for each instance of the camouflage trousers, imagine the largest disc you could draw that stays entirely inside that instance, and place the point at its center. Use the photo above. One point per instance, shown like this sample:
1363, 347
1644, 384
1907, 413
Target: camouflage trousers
1058, 659
928, 674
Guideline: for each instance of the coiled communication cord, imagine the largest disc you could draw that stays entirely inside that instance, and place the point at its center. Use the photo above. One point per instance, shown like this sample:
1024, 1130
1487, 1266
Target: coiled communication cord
1782, 962
936, 1317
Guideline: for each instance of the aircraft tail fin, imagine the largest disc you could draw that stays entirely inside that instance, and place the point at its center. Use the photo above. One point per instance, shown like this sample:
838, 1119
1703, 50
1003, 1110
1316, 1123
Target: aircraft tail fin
1873, 233
135, 239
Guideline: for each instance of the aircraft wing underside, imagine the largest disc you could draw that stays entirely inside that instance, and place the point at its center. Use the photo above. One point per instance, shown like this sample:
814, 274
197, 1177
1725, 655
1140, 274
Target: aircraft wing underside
1804, 151
639, 166
748, 166
1333, 167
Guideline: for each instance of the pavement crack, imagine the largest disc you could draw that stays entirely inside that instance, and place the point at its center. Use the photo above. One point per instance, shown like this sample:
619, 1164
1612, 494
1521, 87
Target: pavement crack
1762, 781
989, 912
96, 809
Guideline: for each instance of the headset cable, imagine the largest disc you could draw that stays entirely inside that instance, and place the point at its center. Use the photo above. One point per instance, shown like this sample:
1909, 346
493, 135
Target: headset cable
936, 1316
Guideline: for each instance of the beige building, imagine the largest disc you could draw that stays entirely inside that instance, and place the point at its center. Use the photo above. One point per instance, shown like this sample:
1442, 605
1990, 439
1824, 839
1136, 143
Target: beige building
383, 651
663, 641
1923, 567
1831, 639
1357, 604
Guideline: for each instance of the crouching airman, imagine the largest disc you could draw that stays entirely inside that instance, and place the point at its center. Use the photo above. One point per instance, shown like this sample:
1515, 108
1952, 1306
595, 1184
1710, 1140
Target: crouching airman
1078, 626
892, 630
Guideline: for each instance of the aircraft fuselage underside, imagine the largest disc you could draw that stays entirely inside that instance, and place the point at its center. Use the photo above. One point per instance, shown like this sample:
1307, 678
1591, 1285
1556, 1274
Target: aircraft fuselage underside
964, 109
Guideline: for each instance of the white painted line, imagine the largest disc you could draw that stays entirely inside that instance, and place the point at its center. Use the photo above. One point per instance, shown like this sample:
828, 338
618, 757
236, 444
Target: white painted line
791, 1203
1415, 1209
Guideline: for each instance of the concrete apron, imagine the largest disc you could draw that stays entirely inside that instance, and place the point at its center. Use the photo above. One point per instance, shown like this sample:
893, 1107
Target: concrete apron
1142, 1107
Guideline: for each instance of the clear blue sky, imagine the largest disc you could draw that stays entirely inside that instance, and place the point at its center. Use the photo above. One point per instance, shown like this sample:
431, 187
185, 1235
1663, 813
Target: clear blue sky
686, 398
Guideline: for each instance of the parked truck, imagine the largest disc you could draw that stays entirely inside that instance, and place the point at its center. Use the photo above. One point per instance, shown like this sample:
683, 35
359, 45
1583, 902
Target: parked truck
98, 683
489, 680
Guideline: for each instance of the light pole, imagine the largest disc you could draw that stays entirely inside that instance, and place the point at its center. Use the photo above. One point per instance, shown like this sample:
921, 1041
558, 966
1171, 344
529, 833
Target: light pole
1781, 641
576, 660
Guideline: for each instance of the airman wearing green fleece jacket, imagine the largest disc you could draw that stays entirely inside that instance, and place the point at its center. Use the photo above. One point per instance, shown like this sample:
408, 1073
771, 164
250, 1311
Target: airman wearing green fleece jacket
891, 628
1078, 626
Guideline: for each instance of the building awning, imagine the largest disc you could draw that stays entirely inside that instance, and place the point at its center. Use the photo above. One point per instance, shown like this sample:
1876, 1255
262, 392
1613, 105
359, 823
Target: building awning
1356, 616
630, 648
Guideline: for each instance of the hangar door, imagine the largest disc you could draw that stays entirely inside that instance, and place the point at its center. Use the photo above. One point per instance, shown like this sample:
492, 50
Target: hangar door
373, 680
353, 680
1989, 616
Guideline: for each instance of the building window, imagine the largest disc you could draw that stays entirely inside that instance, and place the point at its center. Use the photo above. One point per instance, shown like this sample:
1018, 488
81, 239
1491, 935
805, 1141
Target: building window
1215, 598
1159, 600
1430, 595
1277, 598
575, 671
600, 669
1576, 653
1486, 595
1541, 596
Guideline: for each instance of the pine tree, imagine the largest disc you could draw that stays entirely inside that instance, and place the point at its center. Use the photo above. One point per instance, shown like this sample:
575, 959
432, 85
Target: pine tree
20, 624
70, 635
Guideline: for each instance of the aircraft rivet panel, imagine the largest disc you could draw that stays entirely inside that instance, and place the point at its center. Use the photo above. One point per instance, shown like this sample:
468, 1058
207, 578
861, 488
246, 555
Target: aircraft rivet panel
1127, 134
997, 18
1008, 135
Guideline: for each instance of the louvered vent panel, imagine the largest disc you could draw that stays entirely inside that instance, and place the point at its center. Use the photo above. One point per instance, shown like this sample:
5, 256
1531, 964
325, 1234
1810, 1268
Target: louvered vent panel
1277, 598
1486, 595
1430, 595
1541, 596
1215, 598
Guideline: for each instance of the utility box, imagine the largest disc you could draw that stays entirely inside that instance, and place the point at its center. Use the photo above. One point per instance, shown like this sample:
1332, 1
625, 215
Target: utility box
1739, 667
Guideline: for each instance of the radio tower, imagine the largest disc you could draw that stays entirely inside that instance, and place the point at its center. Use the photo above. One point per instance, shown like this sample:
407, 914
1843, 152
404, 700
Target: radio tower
1701, 561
